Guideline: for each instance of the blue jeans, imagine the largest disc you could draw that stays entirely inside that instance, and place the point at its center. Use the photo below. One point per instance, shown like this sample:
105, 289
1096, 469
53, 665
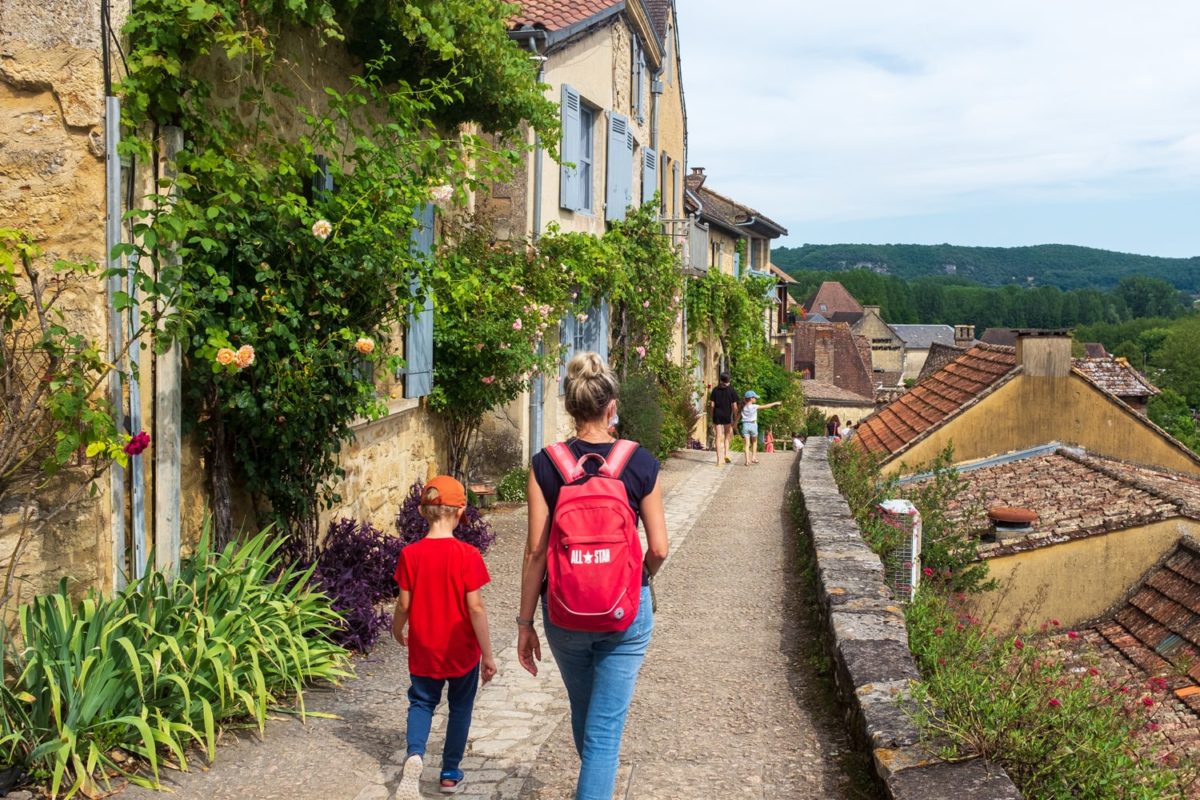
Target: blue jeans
600, 671
423, 696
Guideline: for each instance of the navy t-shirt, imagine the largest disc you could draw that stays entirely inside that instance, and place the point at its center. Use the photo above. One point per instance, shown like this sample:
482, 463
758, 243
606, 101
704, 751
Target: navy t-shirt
640, 474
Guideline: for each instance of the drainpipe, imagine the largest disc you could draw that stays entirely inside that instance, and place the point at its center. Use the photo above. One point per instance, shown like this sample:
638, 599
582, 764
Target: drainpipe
116, 332
537, 389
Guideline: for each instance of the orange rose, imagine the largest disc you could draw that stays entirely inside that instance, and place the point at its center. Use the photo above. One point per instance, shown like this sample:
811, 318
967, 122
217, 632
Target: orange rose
364, 345
244, 356
225, 356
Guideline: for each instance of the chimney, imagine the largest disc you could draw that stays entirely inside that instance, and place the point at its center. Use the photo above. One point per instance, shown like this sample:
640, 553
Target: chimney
872, 310
823, 356
1044, 353
698, 171
964, 336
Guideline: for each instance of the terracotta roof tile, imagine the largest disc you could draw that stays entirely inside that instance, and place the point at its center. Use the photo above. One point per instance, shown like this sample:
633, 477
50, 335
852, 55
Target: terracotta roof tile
933, 400
839, 304
823, 392
554, 15
842, 361
1075, 495
1115, 376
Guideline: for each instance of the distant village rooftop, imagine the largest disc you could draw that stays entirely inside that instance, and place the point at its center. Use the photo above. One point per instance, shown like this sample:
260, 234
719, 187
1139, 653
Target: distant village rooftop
1075, 494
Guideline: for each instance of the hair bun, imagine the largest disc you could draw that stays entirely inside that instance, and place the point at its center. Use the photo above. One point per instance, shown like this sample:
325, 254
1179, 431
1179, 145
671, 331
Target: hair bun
589, 387
586, 366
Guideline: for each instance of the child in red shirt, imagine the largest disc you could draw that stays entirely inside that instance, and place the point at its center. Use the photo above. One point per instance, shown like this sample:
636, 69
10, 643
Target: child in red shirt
440, 578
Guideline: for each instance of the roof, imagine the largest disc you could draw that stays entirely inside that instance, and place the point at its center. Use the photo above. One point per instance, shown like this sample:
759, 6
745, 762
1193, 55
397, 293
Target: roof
832, 301
778, 273
888, 377
813, 318
659, 11
922, 336
556, 15
1001, 336
1154, 630
844, 356
739, 218
824, 393
961, 382
1116, 376
1075, 494
1095, 350
1151, 635
939, 356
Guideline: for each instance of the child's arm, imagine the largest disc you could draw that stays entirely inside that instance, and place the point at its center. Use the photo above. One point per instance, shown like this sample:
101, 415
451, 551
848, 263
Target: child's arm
400, 616
479, 622
770, 405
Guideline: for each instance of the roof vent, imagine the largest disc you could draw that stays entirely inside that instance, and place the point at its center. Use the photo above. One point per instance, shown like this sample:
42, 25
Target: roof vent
1008, 522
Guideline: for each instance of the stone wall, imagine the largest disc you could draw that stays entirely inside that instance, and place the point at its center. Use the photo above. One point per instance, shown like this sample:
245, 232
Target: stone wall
868, 642
52, 188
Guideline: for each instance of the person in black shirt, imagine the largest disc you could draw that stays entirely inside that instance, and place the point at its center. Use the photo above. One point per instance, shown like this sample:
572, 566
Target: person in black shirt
723, 403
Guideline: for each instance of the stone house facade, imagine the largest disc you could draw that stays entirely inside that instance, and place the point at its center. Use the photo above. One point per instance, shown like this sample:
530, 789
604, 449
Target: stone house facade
614, 68
54, 188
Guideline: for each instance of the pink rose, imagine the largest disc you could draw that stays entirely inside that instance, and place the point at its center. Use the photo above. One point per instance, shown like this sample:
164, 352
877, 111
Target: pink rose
489, 379
641, 351
645, 304
517, 324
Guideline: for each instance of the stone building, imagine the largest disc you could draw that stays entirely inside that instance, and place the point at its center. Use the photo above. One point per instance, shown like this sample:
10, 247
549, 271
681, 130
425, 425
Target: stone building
735, 239
56, 186
614, 68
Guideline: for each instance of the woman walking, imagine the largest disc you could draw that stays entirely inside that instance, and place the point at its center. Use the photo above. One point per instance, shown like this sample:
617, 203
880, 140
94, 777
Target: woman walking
600, 669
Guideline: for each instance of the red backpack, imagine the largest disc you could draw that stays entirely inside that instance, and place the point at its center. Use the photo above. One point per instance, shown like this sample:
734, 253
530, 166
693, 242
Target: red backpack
594, 559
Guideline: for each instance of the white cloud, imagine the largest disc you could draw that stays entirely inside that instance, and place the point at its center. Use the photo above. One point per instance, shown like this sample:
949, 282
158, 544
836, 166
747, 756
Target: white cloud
866, 110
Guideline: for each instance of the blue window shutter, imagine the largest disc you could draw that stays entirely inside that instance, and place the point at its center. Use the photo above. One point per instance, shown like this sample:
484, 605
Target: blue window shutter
649, 174
418, 338
597, 329
322, 181
569, 190
566, 338
620, 168
737, 264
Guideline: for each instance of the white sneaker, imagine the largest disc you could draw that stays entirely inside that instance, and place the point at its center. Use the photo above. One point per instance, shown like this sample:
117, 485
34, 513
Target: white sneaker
410, 779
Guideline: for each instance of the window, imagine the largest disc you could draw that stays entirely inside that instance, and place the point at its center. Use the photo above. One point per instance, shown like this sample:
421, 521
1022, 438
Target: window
577, 150
587, 118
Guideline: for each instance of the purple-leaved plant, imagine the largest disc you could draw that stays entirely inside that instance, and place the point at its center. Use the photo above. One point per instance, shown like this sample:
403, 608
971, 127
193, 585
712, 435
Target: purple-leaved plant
355, 564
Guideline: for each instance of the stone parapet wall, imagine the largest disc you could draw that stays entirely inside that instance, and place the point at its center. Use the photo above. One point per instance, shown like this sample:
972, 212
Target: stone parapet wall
867, 639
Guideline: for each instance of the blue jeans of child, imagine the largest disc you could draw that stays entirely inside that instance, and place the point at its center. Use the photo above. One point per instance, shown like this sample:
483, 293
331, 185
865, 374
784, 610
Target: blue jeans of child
423, 696
600, 671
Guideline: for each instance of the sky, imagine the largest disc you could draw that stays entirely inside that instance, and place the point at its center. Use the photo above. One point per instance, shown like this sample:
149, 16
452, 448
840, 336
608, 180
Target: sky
992, 123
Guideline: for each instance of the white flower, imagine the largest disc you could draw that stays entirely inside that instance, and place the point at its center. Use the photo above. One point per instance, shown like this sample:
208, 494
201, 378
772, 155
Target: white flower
441, 195
581, 317
321, 229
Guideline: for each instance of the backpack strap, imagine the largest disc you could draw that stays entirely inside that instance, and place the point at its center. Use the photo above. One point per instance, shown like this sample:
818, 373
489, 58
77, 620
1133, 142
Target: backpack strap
564, 461
622, 450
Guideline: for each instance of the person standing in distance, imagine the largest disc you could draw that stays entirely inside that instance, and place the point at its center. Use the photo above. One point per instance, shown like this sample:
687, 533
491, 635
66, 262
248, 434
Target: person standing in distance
723, 404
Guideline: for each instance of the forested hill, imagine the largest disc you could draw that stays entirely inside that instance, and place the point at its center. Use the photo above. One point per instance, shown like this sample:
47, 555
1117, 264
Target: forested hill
1064, 266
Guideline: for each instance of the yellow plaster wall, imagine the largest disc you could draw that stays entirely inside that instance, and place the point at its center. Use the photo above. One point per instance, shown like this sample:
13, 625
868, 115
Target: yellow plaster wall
1027, 412
855, 414
887, 350
1075, 581
914, 362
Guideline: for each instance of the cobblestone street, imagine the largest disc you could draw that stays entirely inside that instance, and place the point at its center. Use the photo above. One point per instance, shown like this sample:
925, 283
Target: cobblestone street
727, 705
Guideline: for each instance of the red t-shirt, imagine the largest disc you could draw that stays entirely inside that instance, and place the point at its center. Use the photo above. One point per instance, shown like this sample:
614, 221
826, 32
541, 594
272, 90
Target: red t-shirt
439, 573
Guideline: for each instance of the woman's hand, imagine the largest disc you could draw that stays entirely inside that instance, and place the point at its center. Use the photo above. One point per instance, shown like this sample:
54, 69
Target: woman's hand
529, 649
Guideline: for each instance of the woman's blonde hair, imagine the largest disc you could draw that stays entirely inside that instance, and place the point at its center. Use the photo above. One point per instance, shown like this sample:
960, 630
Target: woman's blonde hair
589, 386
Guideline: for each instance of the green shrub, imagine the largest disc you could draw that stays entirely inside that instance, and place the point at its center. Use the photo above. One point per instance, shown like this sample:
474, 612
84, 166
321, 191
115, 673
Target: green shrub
1061, 731
158, 666
513, 487
640, 411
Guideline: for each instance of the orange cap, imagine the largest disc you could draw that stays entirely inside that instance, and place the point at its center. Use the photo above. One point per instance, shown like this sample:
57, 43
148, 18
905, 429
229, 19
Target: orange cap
445, 491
